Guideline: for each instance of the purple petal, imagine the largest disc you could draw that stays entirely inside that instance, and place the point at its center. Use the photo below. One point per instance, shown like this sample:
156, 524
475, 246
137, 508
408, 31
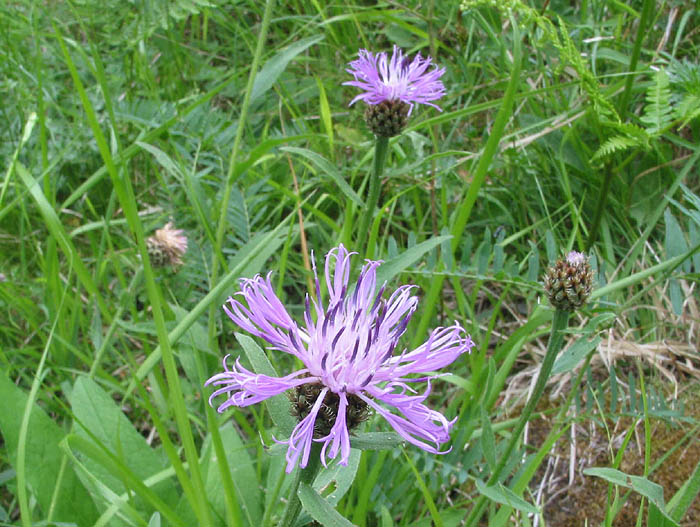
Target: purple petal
415, 433
244, 387
302, 436
339, 437
383, 79
443, 347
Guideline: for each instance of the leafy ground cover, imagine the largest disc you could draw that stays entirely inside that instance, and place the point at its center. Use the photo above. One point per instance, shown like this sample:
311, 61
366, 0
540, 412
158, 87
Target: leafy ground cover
565, 126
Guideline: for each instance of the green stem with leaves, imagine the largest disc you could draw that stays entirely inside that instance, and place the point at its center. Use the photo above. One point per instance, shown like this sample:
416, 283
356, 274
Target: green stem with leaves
556, 339
381, 148
306, 475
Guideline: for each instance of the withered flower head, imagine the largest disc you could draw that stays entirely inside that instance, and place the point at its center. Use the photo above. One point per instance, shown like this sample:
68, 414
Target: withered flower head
167, 246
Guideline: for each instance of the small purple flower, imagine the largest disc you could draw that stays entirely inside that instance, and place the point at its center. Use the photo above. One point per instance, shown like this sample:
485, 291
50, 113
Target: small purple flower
398, 78
349, 360
576, 258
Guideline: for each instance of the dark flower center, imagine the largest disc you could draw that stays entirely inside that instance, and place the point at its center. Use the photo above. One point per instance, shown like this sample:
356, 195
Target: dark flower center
304, 397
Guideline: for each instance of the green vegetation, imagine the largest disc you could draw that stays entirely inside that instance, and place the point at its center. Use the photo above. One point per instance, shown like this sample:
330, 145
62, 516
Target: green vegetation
566, 126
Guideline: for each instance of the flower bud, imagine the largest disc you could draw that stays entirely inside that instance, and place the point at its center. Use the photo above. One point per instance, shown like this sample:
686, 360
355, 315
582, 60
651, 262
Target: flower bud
569, 281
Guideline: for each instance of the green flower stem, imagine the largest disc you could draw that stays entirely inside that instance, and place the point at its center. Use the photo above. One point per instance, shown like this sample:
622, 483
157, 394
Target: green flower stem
307, 475
381, 148
560, 322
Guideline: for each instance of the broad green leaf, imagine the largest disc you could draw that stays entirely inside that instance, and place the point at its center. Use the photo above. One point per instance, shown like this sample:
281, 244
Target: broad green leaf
243, 474
574, 354
44, 457
278, 406
319, 509
328, 168
336, 480
273, 68
650, 490
657, 518
81, 448
99, 419
505, 496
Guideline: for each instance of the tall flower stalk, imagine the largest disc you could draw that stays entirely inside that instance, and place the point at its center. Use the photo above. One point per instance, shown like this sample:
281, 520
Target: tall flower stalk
391, 87
568, 285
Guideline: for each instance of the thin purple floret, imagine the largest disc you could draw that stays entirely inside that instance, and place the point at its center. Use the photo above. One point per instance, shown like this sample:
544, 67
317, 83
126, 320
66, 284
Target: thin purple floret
398, 78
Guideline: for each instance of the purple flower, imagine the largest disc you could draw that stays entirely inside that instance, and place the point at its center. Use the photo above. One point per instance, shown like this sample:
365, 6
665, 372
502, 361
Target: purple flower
576, 258
350, 360
398, 78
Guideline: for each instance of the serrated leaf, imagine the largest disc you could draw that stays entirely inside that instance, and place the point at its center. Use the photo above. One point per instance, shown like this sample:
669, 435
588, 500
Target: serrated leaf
658, 113
617, 143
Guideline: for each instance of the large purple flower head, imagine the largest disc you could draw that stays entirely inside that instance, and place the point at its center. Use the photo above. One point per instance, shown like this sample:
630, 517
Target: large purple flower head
396, 79
351, 360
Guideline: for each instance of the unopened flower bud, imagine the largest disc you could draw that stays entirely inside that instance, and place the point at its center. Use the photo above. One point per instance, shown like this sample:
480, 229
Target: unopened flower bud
569, 281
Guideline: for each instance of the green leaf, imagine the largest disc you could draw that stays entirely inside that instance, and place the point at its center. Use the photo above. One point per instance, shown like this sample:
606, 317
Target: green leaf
505, 496
101, 420
72, 502
326, 167
376, 441
393, 267
278, 406
488, 440
682, 499
574, 354
650, 490
336, 480
243, 475
657, 518
658, 112
319, 509
273, 68
247, 258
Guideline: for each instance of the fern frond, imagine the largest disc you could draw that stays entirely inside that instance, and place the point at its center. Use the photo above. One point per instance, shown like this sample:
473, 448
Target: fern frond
618, 143
688, 109
658, 112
